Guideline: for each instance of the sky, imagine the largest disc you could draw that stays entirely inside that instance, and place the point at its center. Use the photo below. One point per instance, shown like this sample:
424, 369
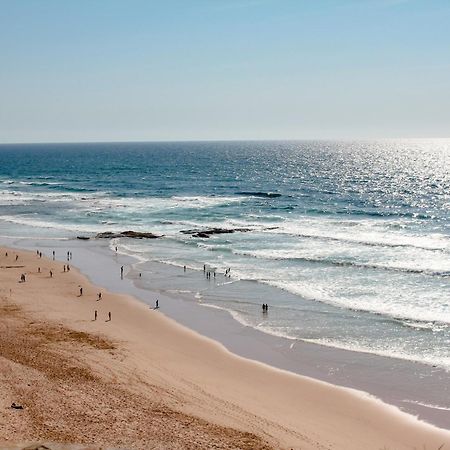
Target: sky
144, 70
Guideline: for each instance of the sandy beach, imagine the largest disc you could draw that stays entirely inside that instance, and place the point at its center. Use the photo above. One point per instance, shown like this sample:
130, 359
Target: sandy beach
140, 380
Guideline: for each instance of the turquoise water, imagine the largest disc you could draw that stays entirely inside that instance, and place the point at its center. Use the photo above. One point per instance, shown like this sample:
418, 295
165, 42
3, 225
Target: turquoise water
349, 242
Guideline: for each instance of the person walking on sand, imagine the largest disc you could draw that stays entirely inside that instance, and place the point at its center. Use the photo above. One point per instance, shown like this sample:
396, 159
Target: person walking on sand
81, 291
95, 315
39, 270
17, 257
99, 296
64, 267
109, 316
121, 272
157, 304
68, 268
51, 274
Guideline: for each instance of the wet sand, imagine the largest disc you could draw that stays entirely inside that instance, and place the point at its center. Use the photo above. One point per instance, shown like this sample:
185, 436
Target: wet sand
141, 380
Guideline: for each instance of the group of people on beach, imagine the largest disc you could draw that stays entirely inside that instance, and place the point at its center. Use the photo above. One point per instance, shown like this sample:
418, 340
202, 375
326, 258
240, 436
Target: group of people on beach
66, 268
207, 272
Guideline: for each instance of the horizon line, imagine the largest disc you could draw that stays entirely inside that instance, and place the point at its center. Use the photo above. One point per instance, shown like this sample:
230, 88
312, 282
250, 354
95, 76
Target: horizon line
156, 141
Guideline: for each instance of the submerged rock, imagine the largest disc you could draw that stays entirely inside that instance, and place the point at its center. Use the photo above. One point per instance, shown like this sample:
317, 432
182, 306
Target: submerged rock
129, 234
211, 231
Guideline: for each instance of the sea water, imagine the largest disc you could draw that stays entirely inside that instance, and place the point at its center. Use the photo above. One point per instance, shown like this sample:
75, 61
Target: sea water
348, 242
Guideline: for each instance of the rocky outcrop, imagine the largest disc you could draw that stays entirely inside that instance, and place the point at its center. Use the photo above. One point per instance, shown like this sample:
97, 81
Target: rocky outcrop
211, 231
128, 234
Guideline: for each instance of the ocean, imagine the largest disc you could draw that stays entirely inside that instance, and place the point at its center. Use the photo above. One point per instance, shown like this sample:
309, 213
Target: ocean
347, 242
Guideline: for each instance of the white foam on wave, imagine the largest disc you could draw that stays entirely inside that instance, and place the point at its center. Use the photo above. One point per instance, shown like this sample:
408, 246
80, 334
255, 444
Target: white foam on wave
36, 223
363, 232
406, 311
427, 405
233, 313
205, 201
402, 260
105, 200
38, 183
41, 196
126, 250
158, 204
443, 361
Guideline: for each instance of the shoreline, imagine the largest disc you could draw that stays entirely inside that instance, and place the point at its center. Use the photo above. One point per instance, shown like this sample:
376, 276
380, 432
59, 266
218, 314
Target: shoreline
329, 407
418, 389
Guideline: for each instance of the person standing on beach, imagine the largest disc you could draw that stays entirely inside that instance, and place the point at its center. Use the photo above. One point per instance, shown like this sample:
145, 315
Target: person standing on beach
51, 274
53, 255
157, 304
81, 291
68, 255
64, 268
95, 315
68, 268
121, 272
39, 270
109, 316
99, 296
17, 257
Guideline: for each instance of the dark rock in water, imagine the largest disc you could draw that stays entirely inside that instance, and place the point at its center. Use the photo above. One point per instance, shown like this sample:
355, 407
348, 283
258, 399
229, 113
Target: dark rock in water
209, 232
129, 234
201, 235
83, 238
260, 194
107, 235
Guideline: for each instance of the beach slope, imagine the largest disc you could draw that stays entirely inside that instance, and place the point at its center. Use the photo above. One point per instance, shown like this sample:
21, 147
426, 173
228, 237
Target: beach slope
130, 377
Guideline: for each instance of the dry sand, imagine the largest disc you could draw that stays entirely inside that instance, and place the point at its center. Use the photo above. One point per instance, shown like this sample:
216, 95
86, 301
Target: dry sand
143, 381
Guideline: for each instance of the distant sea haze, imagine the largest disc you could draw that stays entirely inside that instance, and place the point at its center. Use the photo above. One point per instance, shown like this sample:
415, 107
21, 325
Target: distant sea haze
348, 242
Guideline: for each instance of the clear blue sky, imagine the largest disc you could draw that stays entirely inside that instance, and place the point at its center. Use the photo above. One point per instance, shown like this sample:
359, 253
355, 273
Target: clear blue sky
105, 70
